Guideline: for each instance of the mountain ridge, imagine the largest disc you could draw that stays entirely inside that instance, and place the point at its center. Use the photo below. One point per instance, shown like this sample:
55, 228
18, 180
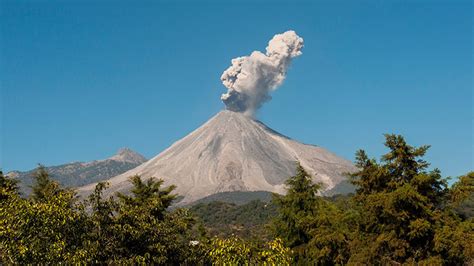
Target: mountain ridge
75, 174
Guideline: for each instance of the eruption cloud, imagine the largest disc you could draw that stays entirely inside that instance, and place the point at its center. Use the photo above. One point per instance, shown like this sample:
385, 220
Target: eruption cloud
251, 79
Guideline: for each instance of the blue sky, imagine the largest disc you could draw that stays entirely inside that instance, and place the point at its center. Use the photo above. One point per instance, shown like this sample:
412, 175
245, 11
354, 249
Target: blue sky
81, 79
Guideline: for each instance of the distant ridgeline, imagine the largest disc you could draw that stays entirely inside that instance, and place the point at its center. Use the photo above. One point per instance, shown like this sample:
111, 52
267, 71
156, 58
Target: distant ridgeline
77, 174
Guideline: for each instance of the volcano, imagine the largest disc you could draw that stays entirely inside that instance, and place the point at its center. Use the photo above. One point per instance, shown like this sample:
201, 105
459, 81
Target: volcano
234, 152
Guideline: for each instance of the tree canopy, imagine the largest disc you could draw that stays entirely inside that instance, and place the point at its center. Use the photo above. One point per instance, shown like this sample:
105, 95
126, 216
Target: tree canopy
401, 213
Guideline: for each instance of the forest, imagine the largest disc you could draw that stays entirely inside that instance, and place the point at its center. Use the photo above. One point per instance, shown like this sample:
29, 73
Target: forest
403, 212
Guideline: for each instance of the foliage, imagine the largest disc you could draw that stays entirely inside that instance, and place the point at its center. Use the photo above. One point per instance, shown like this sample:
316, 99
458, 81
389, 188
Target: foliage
331, 231
236, 251
230, 251
401, 213
296, 209
8, 187
463, 189
139, 228
248, 221
52, 227
462, 196
46, 229
44, 187
315, 228
404, 209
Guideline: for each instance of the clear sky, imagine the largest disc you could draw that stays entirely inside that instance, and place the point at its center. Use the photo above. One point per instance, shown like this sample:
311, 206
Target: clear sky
81, 79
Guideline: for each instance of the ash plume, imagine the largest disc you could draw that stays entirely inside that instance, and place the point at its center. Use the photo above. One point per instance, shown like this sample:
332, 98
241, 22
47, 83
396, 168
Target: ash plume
251, 79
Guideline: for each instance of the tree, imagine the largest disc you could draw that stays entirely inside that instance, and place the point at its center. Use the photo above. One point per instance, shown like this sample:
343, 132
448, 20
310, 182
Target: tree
9, 198
249, 221
44, 187
144, 230
231, 251
101, 240
461, 195
401, 213
402, 207
8, 187
236, 251
296, 209
149, 194
318, 231
45, 230
331, 231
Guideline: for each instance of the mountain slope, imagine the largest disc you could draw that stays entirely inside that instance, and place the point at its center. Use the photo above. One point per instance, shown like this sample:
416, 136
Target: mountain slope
232, 152
79, 173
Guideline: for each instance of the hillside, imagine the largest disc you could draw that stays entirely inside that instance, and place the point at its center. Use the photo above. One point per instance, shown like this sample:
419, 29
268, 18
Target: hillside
77, 174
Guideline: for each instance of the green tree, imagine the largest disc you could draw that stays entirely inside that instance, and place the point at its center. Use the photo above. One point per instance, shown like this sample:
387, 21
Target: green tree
101, 241
461, 196
9, 198
8, 187
45, 230
236, 251
53, 228
275, 253
44, 187
145, 231
454, 237
331, 231
296, 210
148, 194
318, 231
230, 251
402, 207
249, 221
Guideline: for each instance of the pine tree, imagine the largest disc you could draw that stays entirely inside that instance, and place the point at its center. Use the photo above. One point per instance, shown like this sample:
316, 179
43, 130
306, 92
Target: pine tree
401, 205
296, 210
102, 241
44, 187
462, 193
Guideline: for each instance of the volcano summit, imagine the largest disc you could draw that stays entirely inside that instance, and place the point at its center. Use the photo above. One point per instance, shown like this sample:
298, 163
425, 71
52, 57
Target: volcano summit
233, 152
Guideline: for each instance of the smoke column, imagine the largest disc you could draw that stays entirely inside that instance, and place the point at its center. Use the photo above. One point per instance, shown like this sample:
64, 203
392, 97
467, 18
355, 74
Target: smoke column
251, 79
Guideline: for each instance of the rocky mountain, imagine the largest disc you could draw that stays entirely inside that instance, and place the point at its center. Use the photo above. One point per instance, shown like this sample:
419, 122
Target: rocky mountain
77, 174
233, 152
